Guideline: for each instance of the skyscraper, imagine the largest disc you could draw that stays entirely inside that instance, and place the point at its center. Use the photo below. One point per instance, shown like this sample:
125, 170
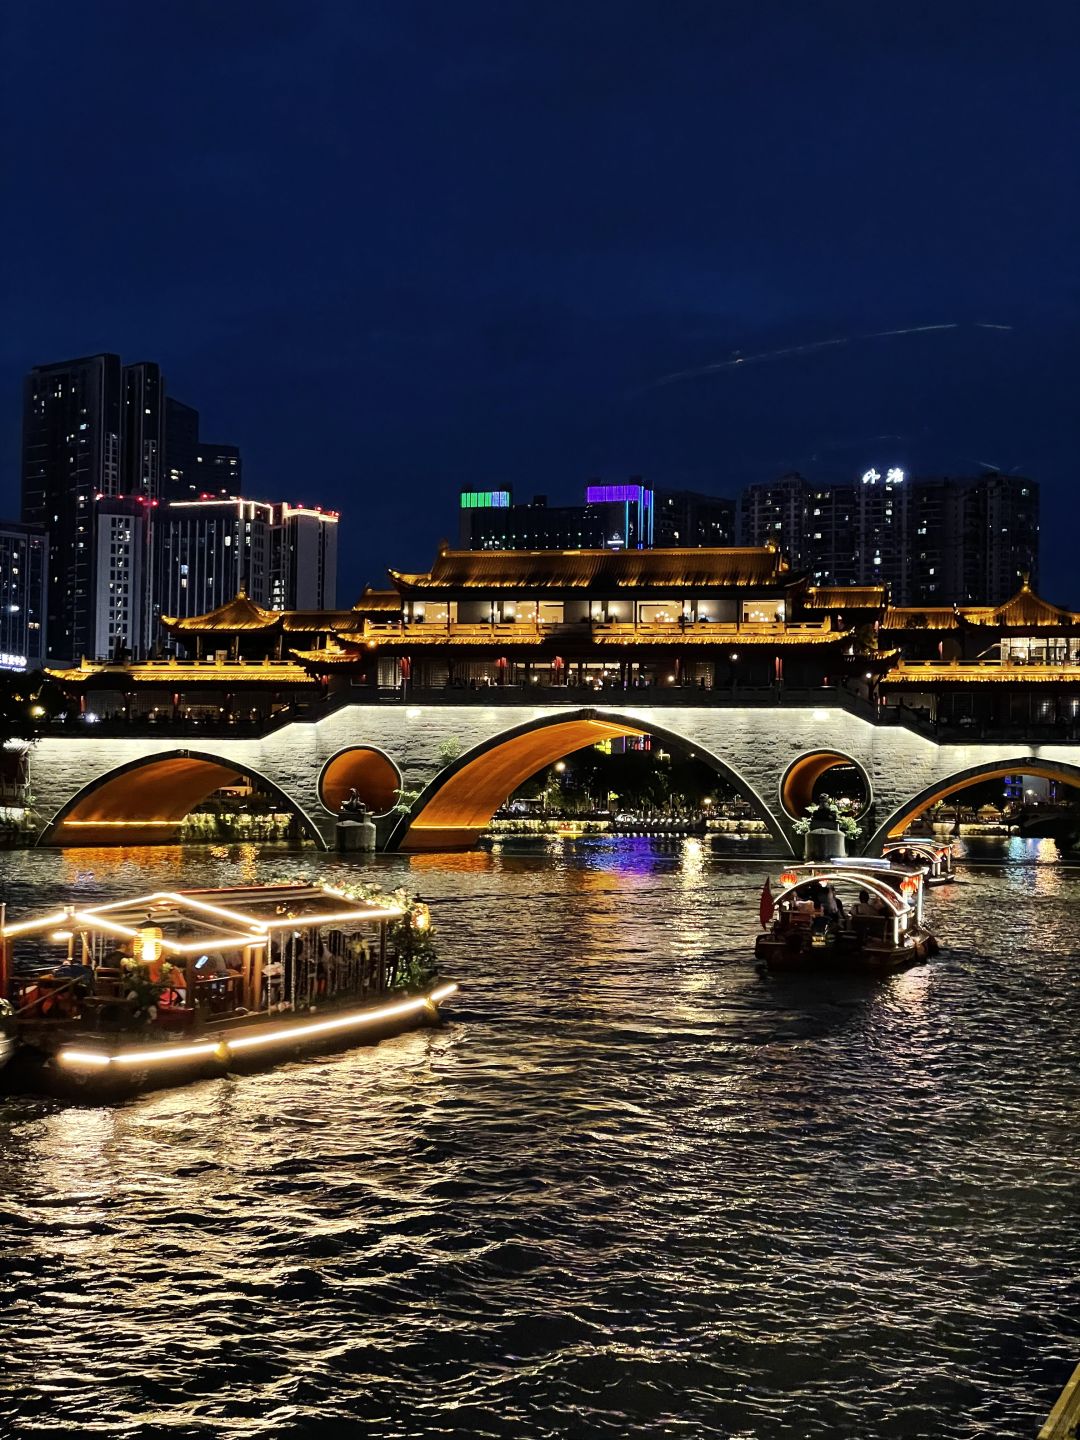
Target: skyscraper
71, 458
142, 443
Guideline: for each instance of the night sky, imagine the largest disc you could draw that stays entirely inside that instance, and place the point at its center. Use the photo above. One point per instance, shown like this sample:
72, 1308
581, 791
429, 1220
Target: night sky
391, 249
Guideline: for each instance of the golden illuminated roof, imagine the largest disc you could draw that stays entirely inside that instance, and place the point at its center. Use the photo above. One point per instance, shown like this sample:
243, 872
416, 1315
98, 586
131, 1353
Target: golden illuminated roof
310, 622
235, 615
600, 570
1027, 608
921, 617
1024, 610
374, 602
219, 674
913, 672
328, 657
845, 597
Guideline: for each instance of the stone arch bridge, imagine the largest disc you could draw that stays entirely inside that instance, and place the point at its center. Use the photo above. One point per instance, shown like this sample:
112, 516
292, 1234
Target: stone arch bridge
465, 759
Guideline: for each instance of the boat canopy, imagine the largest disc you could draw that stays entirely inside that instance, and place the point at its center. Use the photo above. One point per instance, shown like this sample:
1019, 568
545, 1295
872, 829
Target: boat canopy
857, 879
932, 850
192, 922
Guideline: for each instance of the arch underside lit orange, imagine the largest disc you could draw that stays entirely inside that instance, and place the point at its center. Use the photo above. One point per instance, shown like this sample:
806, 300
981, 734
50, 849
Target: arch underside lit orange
797, 790
461, 809
142, 805
368, 772
1043, 770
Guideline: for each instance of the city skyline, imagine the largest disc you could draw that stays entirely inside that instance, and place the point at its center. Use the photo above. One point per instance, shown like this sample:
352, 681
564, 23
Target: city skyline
611, 286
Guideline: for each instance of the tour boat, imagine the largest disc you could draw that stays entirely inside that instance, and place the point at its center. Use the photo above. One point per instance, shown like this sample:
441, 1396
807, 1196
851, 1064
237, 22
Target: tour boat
878, 928
102, 1000
933, 858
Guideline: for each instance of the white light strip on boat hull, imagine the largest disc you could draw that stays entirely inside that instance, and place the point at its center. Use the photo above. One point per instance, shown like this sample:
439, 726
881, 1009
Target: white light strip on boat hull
169, 1054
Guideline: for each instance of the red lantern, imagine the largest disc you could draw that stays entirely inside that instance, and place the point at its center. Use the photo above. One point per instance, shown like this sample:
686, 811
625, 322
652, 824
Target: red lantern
789, 877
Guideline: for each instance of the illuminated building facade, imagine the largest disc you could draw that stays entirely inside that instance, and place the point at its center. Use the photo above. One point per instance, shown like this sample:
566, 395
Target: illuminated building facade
630, 516
929, 539
211, 550
23, 568
282, 557
655, 627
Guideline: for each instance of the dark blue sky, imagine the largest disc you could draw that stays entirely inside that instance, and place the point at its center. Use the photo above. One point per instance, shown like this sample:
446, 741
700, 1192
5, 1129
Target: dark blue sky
390, 249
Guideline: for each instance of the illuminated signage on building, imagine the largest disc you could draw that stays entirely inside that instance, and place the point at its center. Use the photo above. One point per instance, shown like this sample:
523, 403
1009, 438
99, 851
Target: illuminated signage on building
485, 500
12, 662
895, 476
618, 495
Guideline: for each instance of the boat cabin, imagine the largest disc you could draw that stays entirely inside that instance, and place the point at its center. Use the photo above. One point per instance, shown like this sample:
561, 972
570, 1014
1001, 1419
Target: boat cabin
933, 857
185, 960
863, 911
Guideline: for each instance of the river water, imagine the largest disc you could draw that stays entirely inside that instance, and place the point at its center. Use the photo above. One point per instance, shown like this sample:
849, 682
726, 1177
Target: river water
634, 1187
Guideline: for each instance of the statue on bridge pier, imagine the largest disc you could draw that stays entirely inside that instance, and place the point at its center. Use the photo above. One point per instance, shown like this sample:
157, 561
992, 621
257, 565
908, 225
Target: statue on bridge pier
352, 807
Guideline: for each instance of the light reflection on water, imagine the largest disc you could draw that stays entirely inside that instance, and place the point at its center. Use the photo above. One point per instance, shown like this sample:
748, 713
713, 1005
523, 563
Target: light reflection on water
634, 1188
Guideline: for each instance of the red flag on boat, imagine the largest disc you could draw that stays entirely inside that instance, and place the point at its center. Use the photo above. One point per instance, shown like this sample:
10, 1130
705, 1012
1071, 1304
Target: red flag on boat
766, 908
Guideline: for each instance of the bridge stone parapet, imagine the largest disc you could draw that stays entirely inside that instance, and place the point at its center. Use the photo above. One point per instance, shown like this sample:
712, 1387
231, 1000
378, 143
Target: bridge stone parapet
754, 746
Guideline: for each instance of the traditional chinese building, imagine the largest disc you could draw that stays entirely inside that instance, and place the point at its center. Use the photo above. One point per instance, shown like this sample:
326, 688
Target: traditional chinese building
986, 667
720, 622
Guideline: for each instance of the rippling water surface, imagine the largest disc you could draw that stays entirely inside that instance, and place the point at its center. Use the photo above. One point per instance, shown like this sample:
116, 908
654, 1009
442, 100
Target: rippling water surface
634, 1187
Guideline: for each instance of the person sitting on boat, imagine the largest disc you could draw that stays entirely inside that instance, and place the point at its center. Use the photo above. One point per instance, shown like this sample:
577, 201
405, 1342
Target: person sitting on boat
77, 971
831, 905
816, 894
862, 907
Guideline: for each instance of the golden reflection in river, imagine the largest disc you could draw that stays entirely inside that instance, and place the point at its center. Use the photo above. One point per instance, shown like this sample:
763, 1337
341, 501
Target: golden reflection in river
455, 862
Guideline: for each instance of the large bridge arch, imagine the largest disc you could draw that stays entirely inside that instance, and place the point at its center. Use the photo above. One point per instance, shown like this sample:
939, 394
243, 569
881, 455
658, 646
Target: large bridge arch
144, 801
947, 785
457, 805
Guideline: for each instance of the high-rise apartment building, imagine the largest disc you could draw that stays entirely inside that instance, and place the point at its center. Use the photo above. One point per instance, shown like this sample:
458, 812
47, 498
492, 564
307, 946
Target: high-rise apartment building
283, 557
931, 540
686, 519
305, 558
218, 469
23, 567
775, 513
122, 574
179, 472
210, 550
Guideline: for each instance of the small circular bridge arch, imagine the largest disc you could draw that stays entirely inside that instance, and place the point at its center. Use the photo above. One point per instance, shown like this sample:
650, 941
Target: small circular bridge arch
144, 801
363, 768
911, 809
802, 775
454, 809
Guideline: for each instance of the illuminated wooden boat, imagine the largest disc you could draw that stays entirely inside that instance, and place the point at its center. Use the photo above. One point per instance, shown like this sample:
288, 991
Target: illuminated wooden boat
879, 930
177, 986
933, 858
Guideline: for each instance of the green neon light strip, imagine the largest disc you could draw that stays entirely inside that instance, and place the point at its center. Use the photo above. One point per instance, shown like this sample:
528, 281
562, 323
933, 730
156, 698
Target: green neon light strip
485, 500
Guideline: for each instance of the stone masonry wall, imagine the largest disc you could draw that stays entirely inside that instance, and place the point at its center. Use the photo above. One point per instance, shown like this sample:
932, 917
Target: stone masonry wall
755, 745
